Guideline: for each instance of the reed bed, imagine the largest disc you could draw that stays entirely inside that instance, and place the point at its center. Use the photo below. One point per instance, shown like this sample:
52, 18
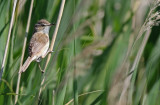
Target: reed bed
106, 52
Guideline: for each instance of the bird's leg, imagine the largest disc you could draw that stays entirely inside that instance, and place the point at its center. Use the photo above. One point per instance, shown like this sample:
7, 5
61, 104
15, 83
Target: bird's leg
39, 59
40, 68
47, 53
50, 51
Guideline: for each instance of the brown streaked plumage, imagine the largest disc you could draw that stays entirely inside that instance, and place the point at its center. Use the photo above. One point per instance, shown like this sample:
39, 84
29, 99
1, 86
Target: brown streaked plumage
39, 43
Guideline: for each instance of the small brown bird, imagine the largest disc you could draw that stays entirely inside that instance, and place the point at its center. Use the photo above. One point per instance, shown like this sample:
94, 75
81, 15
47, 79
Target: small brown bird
39, 43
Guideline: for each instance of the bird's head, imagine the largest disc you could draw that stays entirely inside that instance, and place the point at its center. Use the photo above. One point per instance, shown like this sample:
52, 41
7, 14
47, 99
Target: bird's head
43, 26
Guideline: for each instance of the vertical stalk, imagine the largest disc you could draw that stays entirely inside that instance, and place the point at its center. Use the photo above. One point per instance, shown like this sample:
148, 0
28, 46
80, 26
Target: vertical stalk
23, 51
8, 39
75, 87
53, 40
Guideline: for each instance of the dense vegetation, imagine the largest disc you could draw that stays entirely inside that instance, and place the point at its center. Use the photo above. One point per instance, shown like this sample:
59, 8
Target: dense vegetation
106, 52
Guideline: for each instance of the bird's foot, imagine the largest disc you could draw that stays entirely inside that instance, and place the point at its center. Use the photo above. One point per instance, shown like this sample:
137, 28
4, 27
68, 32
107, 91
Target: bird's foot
50, 52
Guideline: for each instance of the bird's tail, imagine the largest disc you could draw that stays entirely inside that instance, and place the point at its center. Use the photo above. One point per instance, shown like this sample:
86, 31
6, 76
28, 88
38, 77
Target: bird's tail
26, 64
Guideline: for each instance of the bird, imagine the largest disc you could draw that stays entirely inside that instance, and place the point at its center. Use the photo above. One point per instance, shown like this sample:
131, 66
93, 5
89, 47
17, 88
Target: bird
39, 43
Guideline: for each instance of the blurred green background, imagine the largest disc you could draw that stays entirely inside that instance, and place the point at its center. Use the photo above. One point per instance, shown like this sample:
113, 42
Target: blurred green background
95, 50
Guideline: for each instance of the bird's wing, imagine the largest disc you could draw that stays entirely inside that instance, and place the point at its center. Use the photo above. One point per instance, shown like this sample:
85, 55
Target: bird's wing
37, 43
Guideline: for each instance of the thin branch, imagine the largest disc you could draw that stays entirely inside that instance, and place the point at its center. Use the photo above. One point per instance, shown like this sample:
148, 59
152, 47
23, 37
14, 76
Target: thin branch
53, 40
8, 39
23, 51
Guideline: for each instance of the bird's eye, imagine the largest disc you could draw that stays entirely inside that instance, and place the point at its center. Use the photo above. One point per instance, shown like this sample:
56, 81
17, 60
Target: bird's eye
37, 25
42, 25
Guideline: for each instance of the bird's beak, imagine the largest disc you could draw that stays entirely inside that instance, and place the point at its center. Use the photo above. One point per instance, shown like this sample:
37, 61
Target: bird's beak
51, 24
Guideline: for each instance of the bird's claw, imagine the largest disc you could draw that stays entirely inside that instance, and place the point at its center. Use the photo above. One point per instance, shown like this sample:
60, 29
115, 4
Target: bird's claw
50, 51
42, 71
